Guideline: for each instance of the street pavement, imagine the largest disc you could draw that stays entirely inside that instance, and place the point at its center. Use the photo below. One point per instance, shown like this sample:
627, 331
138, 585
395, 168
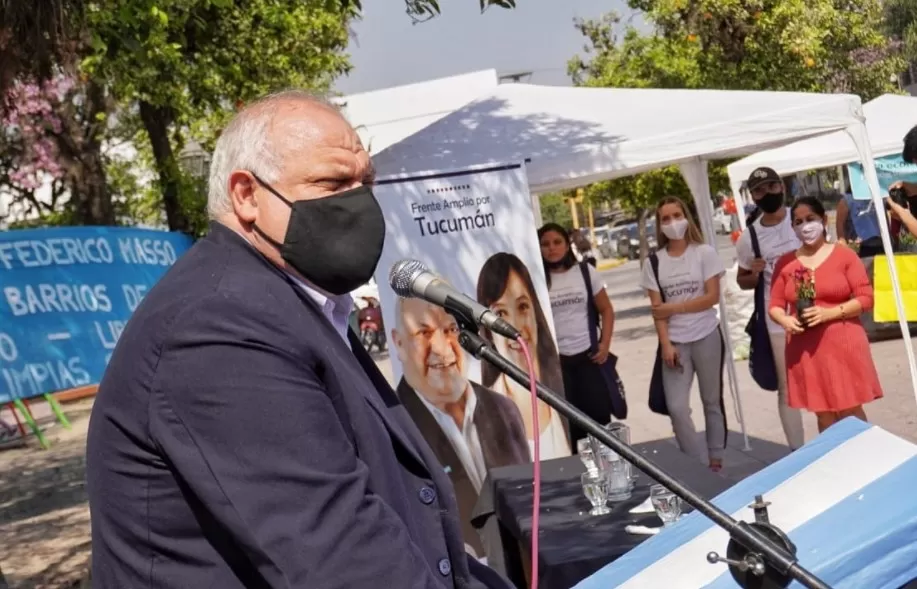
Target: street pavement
634, 342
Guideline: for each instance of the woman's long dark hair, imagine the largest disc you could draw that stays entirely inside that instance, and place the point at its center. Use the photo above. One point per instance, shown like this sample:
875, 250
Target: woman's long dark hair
492, 282
569, 260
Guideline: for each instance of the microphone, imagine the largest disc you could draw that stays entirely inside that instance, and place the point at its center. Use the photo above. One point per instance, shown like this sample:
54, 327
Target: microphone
411, 279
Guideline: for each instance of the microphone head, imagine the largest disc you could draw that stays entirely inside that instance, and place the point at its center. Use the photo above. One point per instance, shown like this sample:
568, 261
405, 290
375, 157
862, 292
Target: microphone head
403, 275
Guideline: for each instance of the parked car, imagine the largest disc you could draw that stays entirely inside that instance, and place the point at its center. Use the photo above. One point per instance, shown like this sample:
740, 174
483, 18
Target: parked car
629, 240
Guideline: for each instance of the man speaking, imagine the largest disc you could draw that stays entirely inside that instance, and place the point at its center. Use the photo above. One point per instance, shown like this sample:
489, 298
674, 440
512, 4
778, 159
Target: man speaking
241, 437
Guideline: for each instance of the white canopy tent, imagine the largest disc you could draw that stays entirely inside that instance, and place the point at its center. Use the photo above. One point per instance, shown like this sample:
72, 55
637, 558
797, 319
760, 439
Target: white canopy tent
574, 136
888, 118
385, 117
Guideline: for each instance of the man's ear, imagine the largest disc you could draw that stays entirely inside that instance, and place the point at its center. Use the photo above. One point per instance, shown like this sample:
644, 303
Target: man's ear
396, 343
242, 195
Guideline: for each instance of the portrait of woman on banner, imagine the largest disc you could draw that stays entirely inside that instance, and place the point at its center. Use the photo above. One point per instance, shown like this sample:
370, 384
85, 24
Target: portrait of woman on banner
505, 286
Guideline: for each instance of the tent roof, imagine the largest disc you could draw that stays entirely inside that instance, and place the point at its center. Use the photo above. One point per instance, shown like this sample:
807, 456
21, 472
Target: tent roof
574, 136
384, 117
888, 118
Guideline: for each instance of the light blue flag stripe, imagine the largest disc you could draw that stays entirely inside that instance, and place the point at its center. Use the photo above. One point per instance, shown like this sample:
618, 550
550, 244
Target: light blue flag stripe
729, 501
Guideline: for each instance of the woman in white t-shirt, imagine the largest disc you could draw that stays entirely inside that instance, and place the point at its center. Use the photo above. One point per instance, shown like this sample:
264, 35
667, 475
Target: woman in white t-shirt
683, 299
584, 384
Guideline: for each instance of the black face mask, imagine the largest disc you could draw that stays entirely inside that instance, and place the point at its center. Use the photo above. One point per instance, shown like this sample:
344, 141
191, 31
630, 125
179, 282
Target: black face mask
770, 202
335, 242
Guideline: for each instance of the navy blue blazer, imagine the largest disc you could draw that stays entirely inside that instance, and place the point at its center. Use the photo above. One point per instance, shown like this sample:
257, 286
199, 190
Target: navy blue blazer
238, 441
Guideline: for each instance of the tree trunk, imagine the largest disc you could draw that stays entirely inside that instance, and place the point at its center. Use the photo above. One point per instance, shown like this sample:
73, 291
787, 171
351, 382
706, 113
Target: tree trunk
80, 149
641, 232
157, 120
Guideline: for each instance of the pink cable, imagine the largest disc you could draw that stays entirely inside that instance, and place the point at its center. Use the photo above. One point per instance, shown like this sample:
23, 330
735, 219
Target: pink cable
536, 502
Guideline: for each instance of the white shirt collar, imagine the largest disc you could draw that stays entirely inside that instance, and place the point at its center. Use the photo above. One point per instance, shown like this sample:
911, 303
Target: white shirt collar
471, 402
464, 439
335, 308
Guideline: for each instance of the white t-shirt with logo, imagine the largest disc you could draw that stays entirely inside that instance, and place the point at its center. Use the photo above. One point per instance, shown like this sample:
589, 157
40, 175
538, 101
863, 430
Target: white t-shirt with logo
774, 241
569, 307
682, 279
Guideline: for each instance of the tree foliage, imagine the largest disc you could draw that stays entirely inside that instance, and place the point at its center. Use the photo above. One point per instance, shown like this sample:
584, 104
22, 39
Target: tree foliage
788, 45
40, 37
36, 38
556, 209
53, 165
156, 74
901, 23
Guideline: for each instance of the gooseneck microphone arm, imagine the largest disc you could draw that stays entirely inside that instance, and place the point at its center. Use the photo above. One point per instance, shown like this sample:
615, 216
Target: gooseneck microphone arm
757, 550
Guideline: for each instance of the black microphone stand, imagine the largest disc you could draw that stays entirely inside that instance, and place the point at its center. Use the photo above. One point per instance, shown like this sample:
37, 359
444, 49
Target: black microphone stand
759, 555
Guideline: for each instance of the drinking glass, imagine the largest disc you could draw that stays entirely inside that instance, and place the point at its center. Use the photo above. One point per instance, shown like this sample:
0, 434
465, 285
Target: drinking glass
622, 432
666, 503
616, 469
595, 487
586, 454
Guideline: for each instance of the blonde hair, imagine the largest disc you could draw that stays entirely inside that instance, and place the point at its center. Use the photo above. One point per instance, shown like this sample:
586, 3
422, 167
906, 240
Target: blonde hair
692, 235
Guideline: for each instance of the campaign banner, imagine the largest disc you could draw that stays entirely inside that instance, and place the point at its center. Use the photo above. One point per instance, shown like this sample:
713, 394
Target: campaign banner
889, 169
67, 294
475, 228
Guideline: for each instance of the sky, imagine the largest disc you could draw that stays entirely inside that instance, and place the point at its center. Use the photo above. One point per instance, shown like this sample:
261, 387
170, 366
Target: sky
538, 36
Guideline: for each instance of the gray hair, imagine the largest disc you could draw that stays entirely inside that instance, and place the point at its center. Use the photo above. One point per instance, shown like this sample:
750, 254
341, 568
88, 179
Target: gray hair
244, 145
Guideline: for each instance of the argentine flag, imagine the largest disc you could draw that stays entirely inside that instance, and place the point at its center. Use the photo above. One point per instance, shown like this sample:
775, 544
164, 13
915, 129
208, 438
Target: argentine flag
847, 499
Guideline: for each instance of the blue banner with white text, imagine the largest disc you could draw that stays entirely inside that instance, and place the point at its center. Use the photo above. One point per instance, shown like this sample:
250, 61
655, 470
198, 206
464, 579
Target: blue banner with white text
889, 169
65, 296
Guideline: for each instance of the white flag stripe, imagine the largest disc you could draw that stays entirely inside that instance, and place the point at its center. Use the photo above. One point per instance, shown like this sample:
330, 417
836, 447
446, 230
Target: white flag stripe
821, 485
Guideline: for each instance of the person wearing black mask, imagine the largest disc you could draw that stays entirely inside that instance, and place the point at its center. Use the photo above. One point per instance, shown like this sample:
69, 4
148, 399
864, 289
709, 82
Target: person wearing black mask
241, 436
773, 231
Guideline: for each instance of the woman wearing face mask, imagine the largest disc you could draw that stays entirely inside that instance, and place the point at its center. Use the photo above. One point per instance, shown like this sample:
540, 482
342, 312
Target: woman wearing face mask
585, 385
683, 290
831, 376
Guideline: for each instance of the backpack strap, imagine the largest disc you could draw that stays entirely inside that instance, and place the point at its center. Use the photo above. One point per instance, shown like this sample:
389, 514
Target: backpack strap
654, 264
756, 248
591, 310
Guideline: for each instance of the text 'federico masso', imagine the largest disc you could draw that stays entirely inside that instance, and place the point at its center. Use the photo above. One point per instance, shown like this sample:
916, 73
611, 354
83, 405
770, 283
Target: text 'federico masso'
70, 296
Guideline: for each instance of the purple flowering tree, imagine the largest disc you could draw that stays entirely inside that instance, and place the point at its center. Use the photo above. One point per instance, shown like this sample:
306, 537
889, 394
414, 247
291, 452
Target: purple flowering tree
51, 163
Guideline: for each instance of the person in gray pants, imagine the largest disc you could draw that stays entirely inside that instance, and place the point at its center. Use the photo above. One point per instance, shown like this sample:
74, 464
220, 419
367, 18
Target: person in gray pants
683, 284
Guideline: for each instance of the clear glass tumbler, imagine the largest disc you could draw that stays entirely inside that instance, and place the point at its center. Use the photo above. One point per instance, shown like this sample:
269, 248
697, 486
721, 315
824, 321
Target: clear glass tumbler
666, 503
595, 487
622, 432
586, 454
616, 470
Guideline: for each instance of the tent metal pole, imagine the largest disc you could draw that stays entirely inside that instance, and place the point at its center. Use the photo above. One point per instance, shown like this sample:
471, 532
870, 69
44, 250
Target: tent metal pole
695, 175
861, 140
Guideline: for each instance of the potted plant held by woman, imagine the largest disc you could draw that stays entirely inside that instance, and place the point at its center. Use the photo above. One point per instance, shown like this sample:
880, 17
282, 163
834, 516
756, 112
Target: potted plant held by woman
805, 291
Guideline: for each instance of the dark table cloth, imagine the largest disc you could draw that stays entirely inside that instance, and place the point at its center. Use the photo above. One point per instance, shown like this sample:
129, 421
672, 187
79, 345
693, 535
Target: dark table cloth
573, 544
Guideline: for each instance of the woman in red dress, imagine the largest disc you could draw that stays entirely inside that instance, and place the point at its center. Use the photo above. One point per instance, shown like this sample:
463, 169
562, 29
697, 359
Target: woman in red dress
829, 365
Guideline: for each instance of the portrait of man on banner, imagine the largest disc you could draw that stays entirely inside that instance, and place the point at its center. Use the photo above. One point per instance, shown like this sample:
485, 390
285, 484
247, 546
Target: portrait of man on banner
470, 428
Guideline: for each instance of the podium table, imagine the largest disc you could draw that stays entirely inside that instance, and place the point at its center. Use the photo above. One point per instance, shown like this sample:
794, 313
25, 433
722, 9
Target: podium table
573, 544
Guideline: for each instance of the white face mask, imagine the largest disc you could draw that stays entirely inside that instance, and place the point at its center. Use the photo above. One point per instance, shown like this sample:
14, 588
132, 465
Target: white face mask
808, 233
675, 229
